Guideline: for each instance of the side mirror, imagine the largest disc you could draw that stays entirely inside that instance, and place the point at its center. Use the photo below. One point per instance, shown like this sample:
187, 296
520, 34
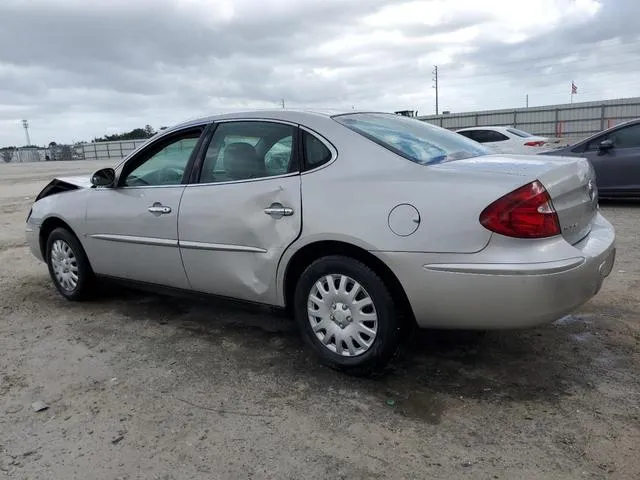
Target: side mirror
605, 145
104, 178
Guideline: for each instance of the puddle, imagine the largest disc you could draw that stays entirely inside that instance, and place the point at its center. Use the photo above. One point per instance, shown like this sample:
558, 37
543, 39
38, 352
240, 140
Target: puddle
425, 406
574, 319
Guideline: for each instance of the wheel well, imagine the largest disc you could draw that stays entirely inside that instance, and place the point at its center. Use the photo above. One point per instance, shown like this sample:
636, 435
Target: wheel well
310, 253
48, 226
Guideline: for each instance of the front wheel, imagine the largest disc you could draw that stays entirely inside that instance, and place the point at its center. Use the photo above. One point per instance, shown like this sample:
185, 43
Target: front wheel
347, 315
68, 265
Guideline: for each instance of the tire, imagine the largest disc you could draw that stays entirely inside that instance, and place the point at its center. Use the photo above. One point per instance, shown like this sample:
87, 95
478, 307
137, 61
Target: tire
334, 322
62, 244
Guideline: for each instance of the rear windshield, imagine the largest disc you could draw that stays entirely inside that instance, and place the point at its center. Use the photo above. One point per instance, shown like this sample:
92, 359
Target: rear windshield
519, 133
411, 138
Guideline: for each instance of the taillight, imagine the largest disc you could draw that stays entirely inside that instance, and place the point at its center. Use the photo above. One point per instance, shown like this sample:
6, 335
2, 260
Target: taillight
537, 143
527, 212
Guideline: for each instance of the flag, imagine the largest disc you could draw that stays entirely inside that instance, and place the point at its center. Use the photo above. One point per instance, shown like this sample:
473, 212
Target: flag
574, 88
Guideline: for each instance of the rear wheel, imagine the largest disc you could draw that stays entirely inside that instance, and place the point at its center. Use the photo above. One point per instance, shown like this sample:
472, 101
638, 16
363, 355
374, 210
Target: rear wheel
347, 315
68, 265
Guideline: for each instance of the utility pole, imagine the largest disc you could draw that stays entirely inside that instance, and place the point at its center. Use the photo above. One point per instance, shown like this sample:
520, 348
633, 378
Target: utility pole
527, 101
435, 79
25, 124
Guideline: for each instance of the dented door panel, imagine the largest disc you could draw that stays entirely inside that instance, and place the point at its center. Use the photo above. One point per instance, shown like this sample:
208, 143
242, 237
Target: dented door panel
229, 245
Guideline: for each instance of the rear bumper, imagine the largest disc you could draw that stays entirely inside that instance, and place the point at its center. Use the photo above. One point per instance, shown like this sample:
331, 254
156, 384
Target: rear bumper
481, 294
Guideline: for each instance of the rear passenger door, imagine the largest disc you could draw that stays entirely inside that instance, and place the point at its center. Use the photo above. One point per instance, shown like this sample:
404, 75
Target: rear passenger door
242, 210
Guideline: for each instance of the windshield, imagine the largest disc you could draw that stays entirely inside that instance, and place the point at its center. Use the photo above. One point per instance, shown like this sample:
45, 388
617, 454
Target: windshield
519, 133
413, 139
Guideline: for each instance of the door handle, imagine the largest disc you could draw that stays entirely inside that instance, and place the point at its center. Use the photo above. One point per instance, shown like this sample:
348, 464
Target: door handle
158, 209
277, 210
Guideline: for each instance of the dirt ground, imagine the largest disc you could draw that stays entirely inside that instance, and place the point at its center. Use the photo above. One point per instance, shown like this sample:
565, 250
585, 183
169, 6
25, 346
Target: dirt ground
140, 386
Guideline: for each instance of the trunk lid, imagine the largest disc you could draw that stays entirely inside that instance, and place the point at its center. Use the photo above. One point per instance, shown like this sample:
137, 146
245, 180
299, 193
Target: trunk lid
572, 187
570, 182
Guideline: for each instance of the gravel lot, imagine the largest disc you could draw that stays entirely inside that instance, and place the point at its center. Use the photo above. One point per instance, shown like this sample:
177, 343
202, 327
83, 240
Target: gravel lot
140, 386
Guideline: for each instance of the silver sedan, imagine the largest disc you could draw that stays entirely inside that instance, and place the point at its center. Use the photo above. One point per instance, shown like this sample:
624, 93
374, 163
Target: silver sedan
360, 224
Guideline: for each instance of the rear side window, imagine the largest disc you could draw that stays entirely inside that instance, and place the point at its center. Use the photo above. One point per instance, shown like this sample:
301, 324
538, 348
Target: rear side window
243, 150
316, 153
486, 136
469, 134
411, 138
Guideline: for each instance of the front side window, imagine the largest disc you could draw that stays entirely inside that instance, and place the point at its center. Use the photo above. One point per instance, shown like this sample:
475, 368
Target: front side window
595, 144
164, 167
247, 150
411, 138
625, 137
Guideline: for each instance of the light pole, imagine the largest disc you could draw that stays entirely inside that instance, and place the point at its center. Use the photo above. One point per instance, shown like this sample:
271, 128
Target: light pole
25, 124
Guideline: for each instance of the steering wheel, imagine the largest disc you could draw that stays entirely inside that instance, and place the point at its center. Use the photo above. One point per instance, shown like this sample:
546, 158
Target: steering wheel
133, 181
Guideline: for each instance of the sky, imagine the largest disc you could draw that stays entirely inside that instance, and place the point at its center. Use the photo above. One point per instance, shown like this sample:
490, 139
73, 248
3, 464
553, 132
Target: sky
79, 69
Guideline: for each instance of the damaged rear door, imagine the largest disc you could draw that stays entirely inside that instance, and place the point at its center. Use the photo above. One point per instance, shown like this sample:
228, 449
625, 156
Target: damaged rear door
242, 209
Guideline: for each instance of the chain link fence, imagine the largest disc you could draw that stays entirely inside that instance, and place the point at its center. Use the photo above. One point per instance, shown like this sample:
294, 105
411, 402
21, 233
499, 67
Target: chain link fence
37, 154
569, 122
114, 150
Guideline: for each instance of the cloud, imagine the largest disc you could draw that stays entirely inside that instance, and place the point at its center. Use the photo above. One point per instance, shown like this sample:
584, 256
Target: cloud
78, 69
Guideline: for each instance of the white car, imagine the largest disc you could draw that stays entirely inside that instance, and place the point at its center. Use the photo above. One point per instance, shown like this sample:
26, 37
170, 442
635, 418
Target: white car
506, 139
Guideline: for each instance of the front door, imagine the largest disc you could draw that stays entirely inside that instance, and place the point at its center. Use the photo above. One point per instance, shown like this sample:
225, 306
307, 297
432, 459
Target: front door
132, 229
243, 212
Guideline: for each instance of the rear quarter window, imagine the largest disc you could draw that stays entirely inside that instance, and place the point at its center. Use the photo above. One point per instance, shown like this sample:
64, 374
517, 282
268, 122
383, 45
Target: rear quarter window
315, 152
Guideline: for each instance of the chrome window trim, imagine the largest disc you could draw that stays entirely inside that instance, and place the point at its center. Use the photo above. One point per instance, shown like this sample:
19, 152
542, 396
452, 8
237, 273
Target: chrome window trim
158, 242
255, 119
147, 186
166, 242
221, 247
246, 180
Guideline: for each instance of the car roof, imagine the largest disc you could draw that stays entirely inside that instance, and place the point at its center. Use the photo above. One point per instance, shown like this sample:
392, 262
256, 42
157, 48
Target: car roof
287, 114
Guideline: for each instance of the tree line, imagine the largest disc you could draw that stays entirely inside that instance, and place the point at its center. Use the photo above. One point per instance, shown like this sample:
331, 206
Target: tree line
135, 134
